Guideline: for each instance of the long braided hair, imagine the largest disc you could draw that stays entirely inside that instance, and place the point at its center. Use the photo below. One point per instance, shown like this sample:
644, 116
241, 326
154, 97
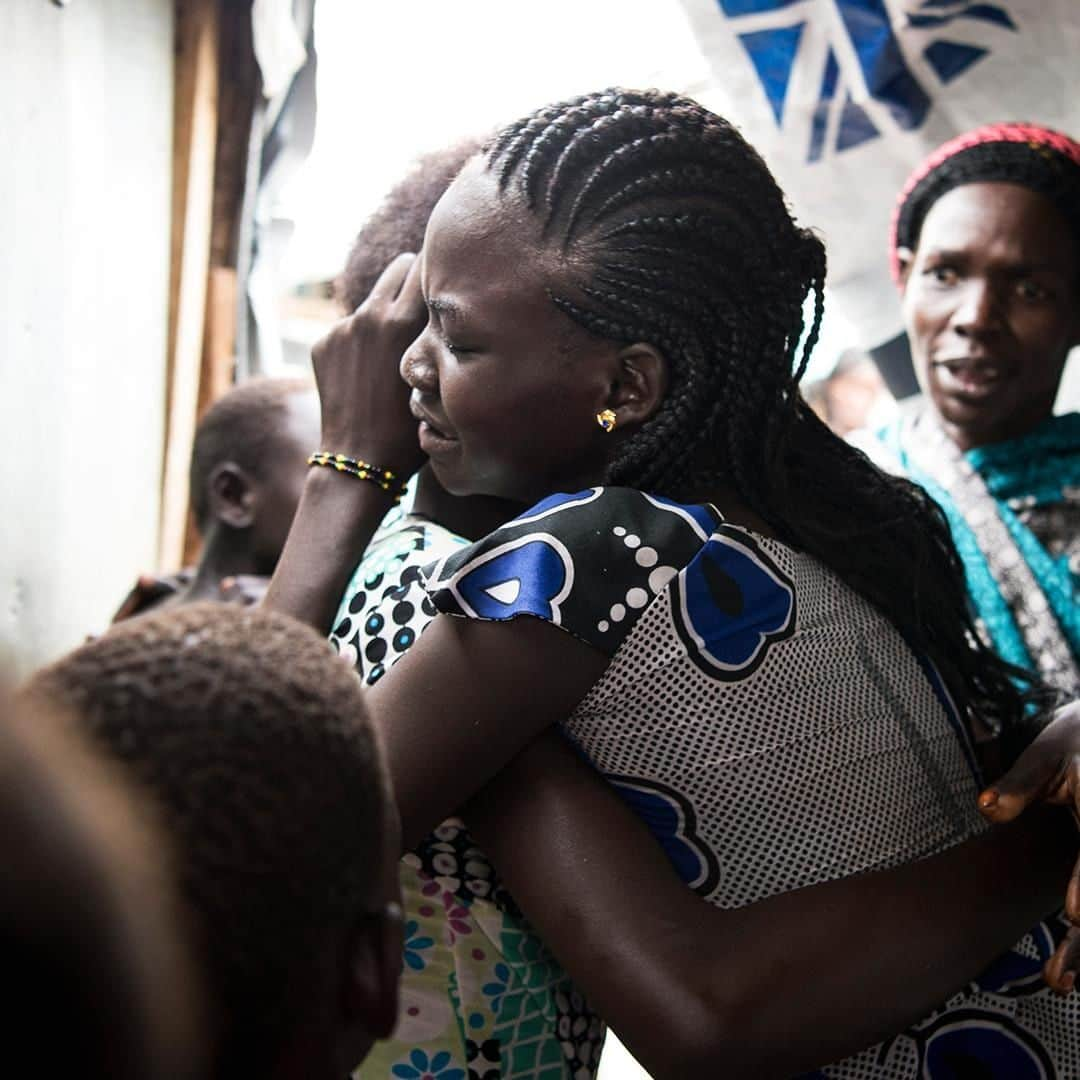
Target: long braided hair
677, 235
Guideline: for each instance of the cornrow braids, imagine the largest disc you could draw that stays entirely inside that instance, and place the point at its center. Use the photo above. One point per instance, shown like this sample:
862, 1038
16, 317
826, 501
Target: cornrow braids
675, 233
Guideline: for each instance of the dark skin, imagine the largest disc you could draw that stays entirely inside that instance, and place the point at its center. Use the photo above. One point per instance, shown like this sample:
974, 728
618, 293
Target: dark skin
696, 991
1048, 772
350, 992
247, 522
249, 516
496, 692
990, 305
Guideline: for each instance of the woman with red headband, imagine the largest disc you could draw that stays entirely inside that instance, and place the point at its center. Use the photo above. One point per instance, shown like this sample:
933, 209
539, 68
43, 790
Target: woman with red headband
985, 248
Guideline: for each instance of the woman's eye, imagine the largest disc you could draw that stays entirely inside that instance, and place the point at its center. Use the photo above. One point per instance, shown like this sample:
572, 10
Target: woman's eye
1030, 290
943, 275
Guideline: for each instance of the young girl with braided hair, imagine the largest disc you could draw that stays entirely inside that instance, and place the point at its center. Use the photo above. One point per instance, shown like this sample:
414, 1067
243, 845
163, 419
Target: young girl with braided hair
461, 930
758, 640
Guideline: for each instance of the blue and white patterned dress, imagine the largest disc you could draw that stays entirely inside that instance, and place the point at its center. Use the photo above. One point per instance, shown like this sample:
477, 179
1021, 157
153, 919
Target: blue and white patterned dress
772, 728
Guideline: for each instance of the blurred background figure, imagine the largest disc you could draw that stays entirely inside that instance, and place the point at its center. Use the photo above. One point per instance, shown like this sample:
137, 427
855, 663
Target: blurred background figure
98, 963
248, 465
853, 396
253, 741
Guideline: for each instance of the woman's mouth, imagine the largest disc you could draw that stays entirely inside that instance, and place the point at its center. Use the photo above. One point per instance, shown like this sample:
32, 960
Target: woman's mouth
968, 378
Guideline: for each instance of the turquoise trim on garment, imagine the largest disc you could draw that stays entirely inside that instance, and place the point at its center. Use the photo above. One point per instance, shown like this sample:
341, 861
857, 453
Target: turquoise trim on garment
1038, 466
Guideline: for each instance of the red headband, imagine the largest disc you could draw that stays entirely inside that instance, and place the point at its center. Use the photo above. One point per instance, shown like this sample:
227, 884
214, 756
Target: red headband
1034, 135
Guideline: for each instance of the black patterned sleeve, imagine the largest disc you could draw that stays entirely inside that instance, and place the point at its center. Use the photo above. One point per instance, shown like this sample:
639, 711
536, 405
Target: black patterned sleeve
590, 562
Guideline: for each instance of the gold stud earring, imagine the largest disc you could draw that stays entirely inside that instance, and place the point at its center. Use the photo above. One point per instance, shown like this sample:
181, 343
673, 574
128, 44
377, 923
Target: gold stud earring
606, 420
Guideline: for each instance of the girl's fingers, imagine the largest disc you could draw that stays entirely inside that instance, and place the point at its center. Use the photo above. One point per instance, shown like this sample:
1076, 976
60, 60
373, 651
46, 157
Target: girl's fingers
1060, 970
389, 283
1038, 772
409, 293
1072, 896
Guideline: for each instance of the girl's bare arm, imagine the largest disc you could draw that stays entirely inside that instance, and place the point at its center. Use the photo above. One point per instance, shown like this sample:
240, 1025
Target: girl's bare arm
781, 986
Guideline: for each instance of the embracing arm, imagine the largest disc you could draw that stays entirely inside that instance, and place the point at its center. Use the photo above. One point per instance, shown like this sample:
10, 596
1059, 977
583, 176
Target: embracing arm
464, 700
783, 985
334, 523
796, 980
1048, 771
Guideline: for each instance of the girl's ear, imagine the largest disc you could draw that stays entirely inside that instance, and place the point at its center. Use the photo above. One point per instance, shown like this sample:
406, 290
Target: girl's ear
640, 383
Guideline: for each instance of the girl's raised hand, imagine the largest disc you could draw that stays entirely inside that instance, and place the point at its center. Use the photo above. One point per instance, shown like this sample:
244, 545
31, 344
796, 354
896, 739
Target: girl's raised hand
364, 401
1048, 771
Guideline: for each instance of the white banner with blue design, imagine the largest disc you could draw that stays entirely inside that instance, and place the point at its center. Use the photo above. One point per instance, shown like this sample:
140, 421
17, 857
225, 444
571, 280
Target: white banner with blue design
845, 97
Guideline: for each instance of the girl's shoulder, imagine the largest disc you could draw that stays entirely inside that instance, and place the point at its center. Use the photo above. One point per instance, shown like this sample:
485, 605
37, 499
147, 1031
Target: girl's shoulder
590, 562
621, 516
601, 533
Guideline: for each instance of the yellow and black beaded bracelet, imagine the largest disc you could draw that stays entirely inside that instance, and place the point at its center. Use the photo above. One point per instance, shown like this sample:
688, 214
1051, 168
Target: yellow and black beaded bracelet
386, 479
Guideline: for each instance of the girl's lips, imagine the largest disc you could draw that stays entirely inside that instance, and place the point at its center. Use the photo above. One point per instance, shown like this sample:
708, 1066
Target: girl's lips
428, 430
432, 440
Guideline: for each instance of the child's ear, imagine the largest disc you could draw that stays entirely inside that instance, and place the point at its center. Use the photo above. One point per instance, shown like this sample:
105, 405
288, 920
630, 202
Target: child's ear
232, 496
372, 972
641, 381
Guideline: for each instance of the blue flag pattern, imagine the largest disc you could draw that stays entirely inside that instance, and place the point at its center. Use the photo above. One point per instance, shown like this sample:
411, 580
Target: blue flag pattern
884, 70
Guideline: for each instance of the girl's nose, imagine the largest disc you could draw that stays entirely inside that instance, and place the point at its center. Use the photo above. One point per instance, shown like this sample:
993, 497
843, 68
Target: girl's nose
418, 367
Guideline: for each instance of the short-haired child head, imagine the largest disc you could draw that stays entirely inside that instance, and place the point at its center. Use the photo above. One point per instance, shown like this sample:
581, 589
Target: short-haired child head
252, 738
248, 463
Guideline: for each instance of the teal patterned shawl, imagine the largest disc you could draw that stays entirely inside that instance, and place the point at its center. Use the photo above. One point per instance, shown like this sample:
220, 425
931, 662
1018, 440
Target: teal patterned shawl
1014, 510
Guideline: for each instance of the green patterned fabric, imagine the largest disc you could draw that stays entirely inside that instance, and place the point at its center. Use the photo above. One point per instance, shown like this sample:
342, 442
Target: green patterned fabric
481, 997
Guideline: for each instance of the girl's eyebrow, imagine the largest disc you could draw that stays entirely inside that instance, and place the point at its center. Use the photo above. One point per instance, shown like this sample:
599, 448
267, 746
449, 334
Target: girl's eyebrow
445, 307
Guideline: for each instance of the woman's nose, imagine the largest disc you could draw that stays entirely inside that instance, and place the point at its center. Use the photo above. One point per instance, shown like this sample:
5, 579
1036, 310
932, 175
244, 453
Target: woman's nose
418, 366
979, 310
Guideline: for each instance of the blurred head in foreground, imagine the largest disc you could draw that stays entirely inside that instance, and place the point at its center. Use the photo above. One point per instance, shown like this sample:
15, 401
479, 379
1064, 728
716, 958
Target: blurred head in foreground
253, 740
98, 963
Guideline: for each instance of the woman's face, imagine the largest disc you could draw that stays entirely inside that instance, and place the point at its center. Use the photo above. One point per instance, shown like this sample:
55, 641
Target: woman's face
991, 307
505, 386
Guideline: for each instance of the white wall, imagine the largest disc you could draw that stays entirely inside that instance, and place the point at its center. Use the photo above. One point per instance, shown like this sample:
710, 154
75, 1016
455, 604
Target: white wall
85, 163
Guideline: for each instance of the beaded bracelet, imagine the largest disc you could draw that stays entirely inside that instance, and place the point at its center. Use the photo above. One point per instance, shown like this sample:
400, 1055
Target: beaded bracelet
362, 470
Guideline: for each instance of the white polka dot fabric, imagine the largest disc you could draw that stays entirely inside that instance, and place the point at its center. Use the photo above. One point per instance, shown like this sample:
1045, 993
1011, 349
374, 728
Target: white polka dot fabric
773, 730
834, 757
